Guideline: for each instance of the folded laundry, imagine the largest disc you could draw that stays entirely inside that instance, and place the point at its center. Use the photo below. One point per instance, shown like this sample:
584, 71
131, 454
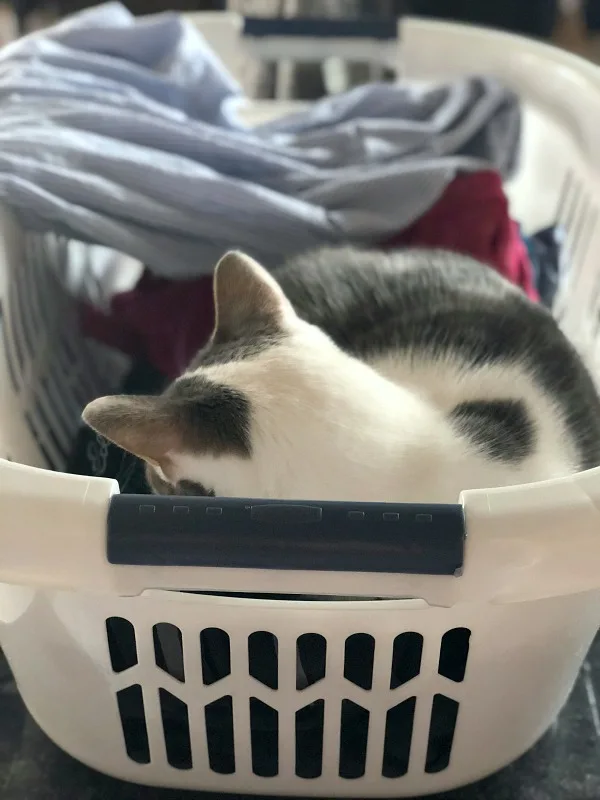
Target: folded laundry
123, 132
165, 322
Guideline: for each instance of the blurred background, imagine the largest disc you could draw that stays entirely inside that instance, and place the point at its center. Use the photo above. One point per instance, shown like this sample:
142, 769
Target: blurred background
572, 24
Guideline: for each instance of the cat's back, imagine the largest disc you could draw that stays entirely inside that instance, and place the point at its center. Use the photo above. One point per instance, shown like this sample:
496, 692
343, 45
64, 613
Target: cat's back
355, 294
453, 328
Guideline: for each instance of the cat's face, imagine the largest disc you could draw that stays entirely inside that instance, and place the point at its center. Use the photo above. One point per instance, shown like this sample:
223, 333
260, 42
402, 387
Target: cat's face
232, 424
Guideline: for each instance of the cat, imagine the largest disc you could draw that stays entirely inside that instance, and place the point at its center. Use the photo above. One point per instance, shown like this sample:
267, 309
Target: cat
358, 375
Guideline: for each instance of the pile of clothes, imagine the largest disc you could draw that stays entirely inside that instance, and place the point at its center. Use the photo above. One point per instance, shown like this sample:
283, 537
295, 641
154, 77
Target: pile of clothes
125, 134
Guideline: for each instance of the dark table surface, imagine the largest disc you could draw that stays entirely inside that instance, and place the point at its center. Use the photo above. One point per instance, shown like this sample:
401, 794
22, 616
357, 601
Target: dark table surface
565, 765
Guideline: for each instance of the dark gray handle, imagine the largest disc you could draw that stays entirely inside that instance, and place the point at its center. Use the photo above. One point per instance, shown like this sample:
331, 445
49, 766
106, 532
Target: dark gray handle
263, 534
322, 28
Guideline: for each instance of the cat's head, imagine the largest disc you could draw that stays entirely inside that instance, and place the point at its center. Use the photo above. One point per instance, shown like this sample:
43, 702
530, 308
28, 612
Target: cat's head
245, 419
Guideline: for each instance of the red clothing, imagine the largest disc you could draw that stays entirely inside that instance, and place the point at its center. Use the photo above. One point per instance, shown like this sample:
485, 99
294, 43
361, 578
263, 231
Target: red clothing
166, 322
471, 217
162, 322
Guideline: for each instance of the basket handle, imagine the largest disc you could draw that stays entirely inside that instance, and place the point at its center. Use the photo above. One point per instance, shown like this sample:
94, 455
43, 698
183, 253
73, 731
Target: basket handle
53, 528
62, 531
383, 29
524, 543
239, 533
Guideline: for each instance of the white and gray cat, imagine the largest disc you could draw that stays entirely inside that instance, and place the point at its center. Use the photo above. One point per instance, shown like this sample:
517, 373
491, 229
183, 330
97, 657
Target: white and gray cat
364, 376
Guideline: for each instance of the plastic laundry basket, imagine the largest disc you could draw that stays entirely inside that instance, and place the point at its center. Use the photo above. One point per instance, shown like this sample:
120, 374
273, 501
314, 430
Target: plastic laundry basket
131, 670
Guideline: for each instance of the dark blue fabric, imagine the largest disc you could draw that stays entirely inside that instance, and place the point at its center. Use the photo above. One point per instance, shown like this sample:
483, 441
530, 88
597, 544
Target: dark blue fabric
546, 252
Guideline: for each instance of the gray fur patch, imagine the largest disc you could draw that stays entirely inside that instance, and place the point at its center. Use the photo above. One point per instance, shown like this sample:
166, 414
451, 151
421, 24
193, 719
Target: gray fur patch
434, 304
216, 417
249, 343
501, 429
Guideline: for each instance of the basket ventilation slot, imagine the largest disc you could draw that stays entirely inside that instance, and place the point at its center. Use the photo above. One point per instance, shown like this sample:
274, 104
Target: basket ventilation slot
133, 719
354, 731
406, 658
176, 728
263, 658
444, 713
215, 650
168, 650
311, 655
309, 724
578, 216
53, 373
219, 735
264, 736
398, 735
120, 634
358, 660
260, 708
454, 653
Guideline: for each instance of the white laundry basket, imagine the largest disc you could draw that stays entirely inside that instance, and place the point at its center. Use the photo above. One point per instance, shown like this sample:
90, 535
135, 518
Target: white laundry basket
132, 672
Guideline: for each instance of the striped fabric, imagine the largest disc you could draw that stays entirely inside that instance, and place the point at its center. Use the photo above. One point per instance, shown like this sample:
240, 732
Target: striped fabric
123, 132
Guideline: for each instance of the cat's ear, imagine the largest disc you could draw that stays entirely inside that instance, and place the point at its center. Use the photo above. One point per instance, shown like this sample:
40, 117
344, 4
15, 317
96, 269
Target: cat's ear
148, 427
247, 297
